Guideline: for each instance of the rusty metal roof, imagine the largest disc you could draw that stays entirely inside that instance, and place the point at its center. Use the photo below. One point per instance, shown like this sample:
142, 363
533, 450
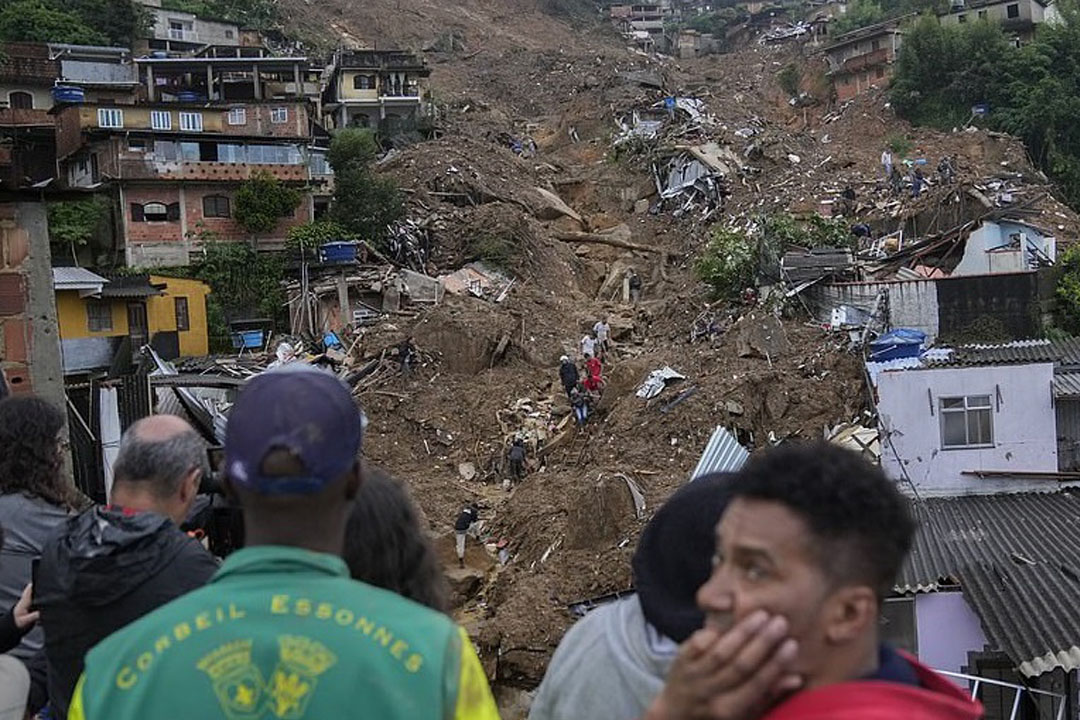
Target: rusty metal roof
1017, 559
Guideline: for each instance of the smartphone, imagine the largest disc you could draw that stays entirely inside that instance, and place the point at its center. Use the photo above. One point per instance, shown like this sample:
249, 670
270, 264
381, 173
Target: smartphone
33, 582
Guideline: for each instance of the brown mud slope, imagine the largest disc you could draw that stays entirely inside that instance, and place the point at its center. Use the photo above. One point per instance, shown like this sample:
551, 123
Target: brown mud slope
513, 70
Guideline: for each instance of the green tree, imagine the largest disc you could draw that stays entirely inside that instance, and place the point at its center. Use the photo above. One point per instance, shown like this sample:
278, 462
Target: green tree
1068, 291
262, 201
36, 21
243, 282
729, 263
310, 237
75, 223
788, 78
859, 14
364, 203
121, 21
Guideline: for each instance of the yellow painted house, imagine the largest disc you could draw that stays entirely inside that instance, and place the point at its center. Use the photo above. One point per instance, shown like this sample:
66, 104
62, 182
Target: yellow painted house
97, 315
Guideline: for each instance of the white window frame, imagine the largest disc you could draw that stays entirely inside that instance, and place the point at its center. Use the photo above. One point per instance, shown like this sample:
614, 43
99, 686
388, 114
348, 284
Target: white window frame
971, 404
110, 117
164, 211
279, 115
191, 121
160, 120
237, 116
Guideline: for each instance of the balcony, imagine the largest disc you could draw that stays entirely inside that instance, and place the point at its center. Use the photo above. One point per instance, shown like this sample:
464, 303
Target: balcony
25, 117
183, 35
870, 59
194, 170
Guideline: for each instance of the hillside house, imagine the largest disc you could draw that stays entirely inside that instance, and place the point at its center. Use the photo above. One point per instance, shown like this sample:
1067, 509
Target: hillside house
176, 31
981, 419
175, 160
101, 318
1018, 18
863, 58
376, 89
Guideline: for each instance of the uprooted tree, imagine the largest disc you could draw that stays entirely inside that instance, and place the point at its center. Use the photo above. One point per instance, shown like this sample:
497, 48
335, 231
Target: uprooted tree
364, 203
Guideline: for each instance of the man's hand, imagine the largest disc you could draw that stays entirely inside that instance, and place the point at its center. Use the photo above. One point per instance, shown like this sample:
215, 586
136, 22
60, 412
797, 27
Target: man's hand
729, 676
24, 618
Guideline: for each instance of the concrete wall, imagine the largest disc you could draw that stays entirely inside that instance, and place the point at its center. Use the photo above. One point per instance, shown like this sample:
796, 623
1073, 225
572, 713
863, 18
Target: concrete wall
29, 342
911, 303
947, 629
1024, 429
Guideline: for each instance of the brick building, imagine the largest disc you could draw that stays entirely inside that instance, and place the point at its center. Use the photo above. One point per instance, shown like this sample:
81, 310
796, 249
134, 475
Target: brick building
864, 58
175, 160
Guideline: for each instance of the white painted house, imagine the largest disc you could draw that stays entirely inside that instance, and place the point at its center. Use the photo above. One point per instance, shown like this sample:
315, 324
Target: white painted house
974, 420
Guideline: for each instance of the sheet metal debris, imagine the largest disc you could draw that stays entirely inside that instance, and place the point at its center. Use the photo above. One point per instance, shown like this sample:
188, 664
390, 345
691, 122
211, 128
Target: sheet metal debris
723, 453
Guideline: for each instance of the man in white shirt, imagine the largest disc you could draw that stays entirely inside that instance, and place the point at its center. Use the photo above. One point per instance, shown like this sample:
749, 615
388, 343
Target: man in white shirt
588, 346
886, 162
602, 331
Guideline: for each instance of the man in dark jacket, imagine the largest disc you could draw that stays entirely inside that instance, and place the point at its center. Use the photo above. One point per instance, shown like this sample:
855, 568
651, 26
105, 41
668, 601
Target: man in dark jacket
568, 374
113, 564
465, 520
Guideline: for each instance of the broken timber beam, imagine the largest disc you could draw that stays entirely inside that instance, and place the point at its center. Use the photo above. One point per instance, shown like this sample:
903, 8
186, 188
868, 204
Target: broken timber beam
600, 239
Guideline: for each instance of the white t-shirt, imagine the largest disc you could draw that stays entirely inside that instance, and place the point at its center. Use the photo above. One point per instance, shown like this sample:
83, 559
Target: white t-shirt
601, 329
588, 345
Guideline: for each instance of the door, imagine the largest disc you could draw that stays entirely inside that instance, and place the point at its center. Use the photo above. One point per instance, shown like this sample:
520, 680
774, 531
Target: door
137, 329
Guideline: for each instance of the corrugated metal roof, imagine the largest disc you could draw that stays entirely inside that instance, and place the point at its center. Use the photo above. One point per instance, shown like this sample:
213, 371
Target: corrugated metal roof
1013, 353
1067, 384
1017, 558
722, 454
75, 278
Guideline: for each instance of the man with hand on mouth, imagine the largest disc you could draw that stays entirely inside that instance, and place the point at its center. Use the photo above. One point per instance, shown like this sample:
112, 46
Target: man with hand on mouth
806, 551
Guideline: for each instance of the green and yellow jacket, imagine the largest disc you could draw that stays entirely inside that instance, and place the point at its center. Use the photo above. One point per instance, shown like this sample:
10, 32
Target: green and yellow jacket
284, 633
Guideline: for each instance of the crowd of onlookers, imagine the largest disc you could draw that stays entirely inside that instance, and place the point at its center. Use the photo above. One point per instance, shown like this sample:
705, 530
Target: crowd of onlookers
758, 594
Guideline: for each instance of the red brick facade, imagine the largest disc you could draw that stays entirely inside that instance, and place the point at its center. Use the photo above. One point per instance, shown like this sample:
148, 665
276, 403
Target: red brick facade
192, 219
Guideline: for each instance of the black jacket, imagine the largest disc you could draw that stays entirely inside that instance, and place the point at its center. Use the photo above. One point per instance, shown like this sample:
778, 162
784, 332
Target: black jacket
465, 519
568, 374
10, 635
101, 571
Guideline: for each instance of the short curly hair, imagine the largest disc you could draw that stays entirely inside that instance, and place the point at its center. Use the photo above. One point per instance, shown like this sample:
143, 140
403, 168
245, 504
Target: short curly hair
30, 460
862, 525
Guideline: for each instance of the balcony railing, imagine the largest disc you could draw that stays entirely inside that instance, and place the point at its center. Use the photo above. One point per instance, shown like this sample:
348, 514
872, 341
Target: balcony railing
870, 59
977, 683
208, 171
184, 35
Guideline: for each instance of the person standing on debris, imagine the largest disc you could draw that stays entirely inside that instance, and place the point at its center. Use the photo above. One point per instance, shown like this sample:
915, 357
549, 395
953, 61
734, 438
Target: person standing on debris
281, 629
945, 170
568, 374
516, 458
896, 181
808, 547
916, 181
603, 332
588, 346
847, 205
612, 662
887, 163
579, 401
635, 287
462, 525
593, 375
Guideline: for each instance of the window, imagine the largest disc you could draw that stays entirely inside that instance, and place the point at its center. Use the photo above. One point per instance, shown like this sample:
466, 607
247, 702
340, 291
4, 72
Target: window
279, 115
161, 120
19, 100
961, 18
274, 154
229, 34
897, 624
215, 206
1012, 11
982, 14
238, 116
879, 73
875, 45
110, 118
155, 212
137, 144
98, 316
191, 121
189, 151
363, 82
966, 422
231, 153
182, 320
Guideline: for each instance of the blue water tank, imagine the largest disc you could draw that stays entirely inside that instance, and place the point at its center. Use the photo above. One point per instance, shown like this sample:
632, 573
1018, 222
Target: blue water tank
68, 94
189, 96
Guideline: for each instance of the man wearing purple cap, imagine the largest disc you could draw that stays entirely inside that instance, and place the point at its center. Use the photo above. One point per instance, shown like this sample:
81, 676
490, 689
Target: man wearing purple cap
281, 631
